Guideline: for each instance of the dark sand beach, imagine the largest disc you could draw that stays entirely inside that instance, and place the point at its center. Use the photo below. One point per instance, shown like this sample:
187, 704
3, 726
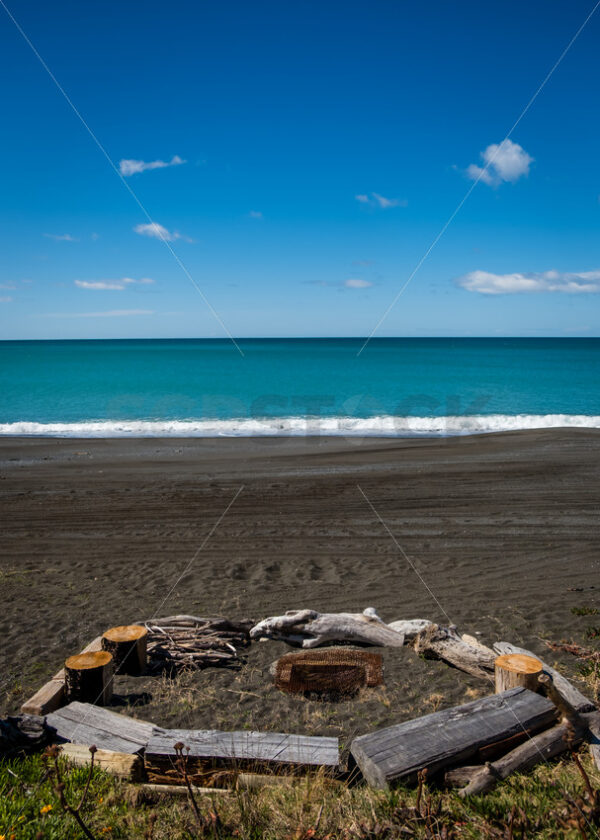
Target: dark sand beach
500, 532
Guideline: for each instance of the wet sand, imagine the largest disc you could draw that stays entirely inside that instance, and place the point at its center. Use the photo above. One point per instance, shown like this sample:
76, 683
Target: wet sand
497, 534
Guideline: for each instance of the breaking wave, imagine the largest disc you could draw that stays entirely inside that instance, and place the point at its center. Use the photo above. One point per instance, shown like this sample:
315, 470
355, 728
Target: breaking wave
385, 426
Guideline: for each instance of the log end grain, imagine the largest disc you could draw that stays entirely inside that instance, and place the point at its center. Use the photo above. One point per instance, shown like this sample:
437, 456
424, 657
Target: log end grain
128, 645
517, 669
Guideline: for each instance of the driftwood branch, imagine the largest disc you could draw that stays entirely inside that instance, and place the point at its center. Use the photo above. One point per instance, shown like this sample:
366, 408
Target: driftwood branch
538, 748
567, 712
445, 643
187, 641
309, 629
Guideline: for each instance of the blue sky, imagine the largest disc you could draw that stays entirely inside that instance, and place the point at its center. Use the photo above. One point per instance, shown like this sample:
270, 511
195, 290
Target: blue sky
316, 150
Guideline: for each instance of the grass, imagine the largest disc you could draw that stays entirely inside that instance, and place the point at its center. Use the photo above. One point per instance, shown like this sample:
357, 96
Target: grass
539, 804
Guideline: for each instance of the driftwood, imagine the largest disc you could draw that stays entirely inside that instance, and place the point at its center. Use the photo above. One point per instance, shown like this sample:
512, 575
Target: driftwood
459, 777
309, 629
448, 737
186, 641
567, 689
436, 642
410, 627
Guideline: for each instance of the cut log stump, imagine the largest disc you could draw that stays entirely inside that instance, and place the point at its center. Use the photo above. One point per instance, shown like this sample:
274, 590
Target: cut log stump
567, 689
514, 669
89, 677
127, 644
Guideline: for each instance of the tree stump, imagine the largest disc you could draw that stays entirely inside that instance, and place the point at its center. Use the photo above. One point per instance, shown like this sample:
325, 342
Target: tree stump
516, 669
127, 644
89, 677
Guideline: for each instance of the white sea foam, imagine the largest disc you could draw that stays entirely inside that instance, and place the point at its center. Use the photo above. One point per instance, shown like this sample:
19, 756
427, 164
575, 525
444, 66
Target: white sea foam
387, 426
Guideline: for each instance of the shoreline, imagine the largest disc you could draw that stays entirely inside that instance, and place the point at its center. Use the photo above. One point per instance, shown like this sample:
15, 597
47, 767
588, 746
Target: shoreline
501, 527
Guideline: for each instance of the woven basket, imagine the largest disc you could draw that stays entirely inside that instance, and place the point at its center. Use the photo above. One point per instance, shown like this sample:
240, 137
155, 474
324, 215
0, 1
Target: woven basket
334, 671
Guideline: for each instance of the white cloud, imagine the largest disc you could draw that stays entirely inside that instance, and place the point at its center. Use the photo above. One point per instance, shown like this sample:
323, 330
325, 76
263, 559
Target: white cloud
357, 283
85, 284
157, 231
255, 214
6, 299
571, 283
505, 161
111, 285
8, 286
61, 237
133, 167
376, 200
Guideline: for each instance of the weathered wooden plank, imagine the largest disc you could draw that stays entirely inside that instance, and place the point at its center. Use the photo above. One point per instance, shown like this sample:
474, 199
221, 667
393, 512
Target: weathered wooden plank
82, 723
578, 700
124, 765
51, 696
449, 736
254, 746
215, 754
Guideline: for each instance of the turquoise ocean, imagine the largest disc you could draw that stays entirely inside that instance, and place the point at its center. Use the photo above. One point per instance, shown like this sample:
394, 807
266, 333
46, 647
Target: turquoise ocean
396, 386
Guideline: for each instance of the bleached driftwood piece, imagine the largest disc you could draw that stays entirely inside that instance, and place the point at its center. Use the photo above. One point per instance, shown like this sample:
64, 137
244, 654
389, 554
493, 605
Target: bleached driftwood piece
410, 627
567, 689
309, 629
459, 777
437, 642
472, 640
